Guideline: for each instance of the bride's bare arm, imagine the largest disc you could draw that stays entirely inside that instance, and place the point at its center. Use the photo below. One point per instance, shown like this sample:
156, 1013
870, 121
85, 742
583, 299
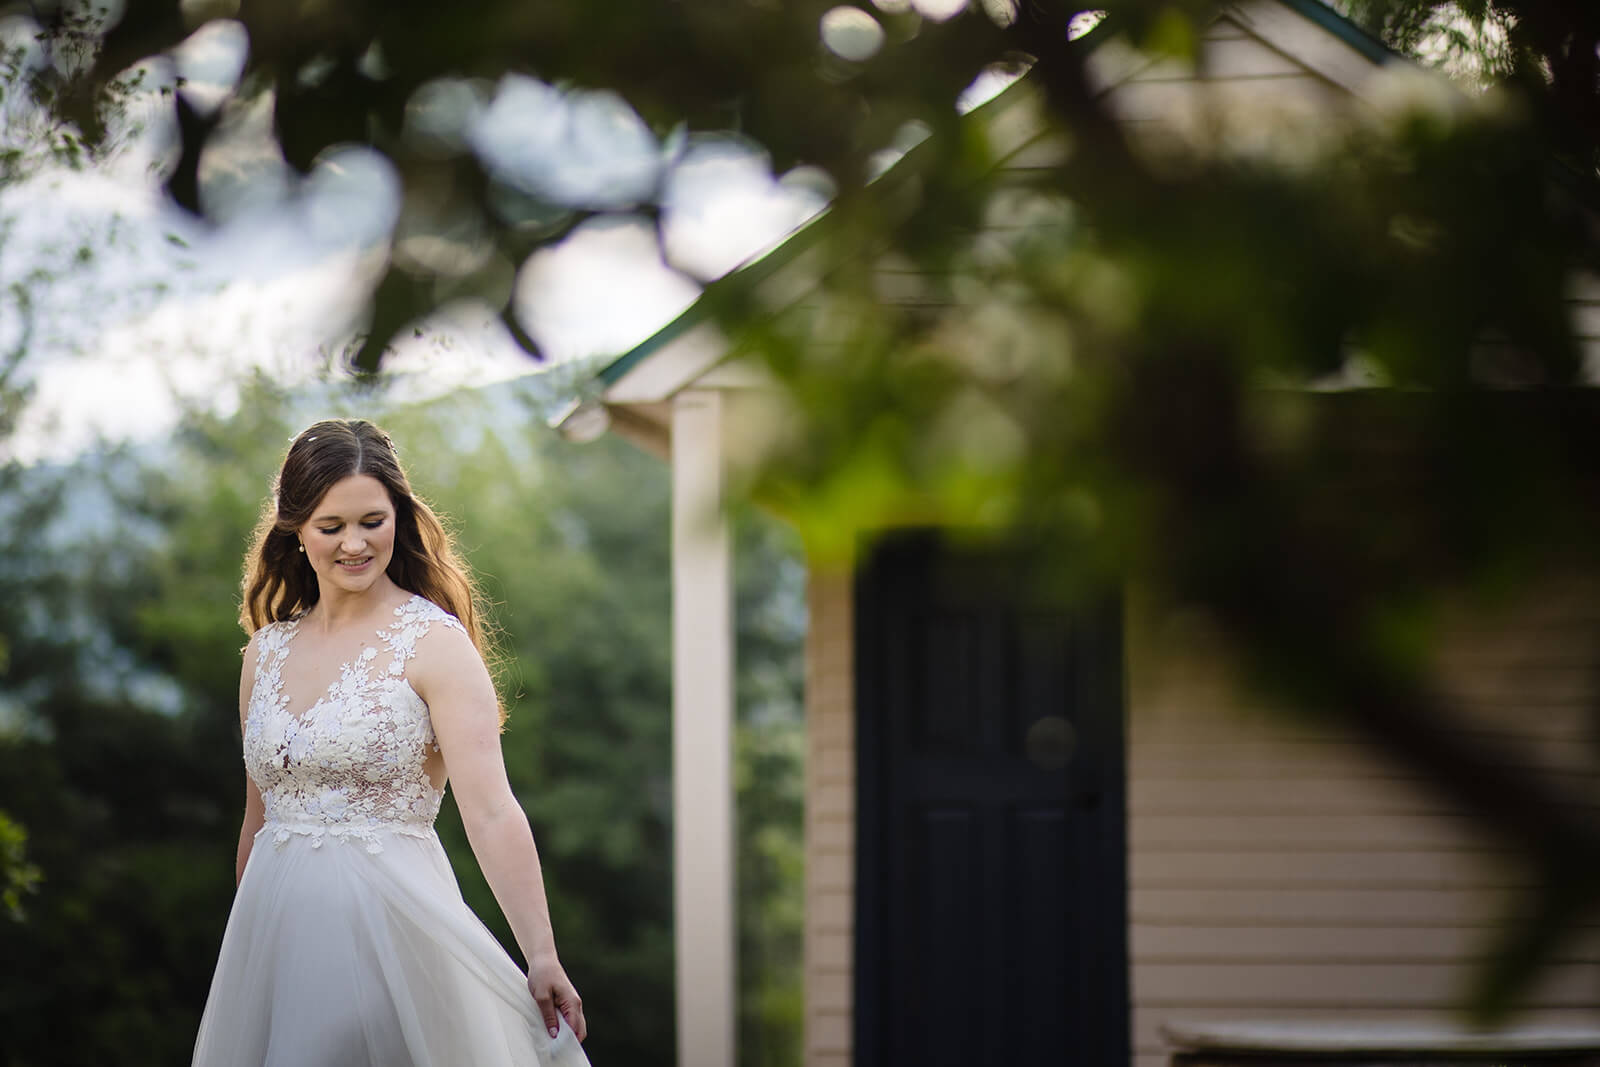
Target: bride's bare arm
449, 675
254, 813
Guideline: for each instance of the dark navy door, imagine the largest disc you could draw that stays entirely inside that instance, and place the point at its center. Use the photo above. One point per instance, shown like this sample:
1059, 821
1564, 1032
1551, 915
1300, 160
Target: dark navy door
991, 888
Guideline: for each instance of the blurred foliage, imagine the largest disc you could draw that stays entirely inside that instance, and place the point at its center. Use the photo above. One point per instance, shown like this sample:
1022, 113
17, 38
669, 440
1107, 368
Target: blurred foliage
1303, 374
120, 745
769, 586
18, 877
34, 139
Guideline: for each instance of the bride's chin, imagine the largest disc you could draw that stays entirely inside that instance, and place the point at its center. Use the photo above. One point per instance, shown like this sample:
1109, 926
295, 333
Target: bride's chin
353, 581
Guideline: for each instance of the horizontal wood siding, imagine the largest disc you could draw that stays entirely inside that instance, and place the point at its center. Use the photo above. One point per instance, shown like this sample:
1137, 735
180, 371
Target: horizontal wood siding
1281, 870
829, 821
1167, 100
1584, 298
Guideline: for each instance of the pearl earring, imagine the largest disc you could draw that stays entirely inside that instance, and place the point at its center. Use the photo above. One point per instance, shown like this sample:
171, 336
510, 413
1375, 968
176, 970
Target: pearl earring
302, 546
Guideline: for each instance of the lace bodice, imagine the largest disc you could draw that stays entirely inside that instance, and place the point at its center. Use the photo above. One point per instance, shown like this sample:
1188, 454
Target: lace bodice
352, 764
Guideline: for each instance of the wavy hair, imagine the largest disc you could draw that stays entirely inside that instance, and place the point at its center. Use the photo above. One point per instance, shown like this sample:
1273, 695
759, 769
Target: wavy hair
279, 582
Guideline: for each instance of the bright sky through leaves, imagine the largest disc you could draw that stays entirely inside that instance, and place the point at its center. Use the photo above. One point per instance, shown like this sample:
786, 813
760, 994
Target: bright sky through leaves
134, 303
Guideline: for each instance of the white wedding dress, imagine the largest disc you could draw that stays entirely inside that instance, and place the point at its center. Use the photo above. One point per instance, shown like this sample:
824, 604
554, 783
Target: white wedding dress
349, 944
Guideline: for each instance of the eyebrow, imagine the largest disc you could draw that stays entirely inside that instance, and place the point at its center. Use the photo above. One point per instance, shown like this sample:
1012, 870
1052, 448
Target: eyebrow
384, 512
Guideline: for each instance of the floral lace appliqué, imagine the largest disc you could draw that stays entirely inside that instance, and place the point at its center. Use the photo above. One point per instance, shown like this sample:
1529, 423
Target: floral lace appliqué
351, 766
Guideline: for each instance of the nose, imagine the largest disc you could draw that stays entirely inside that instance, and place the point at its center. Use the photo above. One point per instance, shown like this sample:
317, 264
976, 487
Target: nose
353, 543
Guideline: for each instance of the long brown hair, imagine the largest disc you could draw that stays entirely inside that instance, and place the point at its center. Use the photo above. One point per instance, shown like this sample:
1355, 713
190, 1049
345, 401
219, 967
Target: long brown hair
278, 580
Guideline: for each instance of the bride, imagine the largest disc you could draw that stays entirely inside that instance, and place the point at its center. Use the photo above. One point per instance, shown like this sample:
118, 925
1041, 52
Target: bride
363, 691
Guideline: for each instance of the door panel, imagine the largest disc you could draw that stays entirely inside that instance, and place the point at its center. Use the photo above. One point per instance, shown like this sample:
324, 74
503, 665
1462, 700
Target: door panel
991, 893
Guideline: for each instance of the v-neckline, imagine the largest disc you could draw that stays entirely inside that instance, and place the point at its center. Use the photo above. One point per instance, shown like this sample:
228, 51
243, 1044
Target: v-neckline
344, 665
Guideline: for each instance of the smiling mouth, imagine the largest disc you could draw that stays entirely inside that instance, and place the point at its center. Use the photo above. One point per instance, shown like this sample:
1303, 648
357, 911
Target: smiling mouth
354, 564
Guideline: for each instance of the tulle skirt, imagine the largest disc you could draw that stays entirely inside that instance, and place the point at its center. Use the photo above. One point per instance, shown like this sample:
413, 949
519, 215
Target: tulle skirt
338, 956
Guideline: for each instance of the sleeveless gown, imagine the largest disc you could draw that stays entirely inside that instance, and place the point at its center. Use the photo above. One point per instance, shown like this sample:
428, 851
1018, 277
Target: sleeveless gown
349, 944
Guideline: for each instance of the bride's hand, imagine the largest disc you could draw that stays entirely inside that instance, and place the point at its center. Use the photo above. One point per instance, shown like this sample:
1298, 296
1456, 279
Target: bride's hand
552, 990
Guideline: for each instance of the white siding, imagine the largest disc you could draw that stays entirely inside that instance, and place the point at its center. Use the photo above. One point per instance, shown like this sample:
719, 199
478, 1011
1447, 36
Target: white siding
1281, 870
829, 820
1184, 101
1237, 74
1584, 298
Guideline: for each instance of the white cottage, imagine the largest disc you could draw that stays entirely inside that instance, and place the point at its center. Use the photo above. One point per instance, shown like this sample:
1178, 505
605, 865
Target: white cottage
1143, 854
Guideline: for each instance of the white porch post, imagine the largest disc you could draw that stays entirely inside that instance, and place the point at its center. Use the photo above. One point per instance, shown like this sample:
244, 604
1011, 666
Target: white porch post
702, 735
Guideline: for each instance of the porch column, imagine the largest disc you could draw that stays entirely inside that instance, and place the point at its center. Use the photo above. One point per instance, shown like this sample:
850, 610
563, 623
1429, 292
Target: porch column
702, 735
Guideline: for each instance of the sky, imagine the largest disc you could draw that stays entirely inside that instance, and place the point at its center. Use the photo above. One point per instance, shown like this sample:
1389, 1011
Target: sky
132, 307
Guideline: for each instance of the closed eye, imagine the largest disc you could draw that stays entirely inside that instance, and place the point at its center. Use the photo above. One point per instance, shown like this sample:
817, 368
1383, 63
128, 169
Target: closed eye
370, 524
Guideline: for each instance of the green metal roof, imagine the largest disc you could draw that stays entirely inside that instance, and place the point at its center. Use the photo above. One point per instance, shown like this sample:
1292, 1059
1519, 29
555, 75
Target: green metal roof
1344, 29
691, 316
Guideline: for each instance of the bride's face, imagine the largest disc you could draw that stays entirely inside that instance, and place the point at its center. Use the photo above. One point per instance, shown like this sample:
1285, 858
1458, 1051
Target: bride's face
350, 536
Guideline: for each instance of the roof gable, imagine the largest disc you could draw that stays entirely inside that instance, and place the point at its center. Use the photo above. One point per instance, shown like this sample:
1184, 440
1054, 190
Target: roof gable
1281, 46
